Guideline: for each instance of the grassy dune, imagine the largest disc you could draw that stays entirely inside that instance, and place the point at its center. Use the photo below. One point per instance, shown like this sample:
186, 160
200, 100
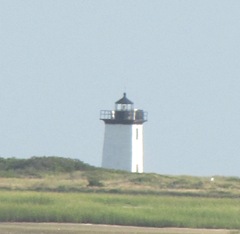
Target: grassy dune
51, 189
68, 175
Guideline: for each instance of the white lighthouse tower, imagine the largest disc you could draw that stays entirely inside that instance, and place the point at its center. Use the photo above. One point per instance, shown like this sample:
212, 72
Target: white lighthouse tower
123, 138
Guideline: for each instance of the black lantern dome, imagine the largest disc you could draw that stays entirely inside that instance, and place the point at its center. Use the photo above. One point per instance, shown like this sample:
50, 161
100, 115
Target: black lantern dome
124, 104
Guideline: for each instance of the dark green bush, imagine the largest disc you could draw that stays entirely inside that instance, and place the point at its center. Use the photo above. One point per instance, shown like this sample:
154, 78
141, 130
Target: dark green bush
93, 181
35, 166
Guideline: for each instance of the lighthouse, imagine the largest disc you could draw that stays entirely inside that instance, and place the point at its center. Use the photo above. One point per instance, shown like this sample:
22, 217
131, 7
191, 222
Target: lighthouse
123, 137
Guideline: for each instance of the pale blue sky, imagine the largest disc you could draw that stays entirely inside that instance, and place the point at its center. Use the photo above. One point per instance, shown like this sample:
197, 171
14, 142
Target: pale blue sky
63, 61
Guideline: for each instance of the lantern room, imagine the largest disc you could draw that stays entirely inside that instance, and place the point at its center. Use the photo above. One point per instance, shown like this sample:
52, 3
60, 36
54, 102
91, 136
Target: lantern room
124, 104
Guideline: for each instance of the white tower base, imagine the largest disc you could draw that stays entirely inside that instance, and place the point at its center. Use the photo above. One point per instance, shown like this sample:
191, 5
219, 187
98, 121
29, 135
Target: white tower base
123, 147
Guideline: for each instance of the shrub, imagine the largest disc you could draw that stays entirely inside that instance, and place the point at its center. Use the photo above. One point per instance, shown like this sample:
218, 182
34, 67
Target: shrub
35, 166
94, 182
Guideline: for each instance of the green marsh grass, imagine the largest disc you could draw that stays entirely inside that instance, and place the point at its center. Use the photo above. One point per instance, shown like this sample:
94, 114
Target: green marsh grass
120, 209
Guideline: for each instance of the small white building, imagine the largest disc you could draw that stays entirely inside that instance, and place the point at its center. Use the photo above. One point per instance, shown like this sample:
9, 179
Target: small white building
123, 138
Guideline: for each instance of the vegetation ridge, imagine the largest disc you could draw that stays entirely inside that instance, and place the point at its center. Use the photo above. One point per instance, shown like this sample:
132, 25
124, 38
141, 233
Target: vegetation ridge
71, 175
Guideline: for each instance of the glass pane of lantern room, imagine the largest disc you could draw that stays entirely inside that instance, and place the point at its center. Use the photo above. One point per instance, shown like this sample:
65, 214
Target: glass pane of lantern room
129, 107
118, 107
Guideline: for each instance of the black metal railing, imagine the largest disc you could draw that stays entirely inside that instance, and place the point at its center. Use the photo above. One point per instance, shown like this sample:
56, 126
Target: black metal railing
134, 115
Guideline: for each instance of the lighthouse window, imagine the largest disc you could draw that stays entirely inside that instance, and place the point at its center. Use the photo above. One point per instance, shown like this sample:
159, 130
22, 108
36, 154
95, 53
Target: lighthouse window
137, 134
